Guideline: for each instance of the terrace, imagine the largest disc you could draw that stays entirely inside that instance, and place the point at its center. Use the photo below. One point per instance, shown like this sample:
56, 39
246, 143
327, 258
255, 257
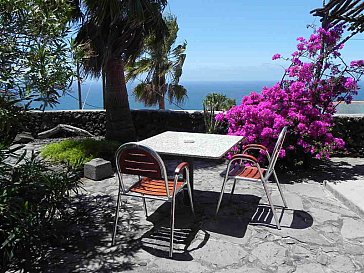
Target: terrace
319, 233
57, 208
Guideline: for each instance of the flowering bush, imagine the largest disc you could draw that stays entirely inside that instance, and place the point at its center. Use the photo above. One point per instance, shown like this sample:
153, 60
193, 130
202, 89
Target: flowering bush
305, 99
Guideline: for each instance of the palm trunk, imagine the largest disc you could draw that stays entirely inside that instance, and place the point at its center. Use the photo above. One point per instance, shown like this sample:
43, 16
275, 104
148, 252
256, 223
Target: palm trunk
162, 93
103, 89
119, 123
161, 103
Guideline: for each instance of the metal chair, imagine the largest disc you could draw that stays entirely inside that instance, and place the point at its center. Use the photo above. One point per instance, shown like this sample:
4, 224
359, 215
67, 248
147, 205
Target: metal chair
237, 169
152, 182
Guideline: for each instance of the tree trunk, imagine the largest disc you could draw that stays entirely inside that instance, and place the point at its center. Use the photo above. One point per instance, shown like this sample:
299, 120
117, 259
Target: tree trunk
103, 89
119, 123
161, 102
161, 93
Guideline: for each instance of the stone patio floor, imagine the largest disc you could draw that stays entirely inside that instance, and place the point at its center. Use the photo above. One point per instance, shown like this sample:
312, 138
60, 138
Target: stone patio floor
319, 233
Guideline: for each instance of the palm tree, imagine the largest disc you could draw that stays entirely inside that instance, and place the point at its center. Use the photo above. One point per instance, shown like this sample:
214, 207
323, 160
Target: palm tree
113, 31
161, 63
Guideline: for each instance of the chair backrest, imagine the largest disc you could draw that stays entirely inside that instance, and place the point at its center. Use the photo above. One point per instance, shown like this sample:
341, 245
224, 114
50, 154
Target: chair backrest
277, 149
136, 159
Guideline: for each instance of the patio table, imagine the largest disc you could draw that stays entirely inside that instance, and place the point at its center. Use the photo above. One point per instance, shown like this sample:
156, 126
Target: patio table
190, 146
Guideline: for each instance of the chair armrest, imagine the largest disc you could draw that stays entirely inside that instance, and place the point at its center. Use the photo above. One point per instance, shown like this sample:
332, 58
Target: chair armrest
244, 157
255, 147
181, 167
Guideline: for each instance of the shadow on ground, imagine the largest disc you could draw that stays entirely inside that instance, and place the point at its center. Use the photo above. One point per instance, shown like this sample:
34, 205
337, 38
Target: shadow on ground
320, 171
81, 242
233, 220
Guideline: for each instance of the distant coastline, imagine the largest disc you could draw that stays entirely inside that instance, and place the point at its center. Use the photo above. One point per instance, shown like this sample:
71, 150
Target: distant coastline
196, 91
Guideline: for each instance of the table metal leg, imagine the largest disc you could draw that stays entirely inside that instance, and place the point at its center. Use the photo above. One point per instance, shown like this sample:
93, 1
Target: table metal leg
186, 200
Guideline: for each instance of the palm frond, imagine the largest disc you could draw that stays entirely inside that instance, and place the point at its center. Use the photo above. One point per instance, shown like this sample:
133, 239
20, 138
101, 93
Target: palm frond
177, 93
145, 92
139, 67
117, 28
158, 63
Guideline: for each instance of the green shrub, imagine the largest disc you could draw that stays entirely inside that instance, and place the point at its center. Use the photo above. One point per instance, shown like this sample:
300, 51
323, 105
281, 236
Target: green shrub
215, 102
76, 152
32, 198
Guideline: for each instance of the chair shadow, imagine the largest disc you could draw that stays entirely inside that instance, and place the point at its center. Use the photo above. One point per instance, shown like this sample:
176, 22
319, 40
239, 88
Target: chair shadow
156, 240
264, 217
233, 220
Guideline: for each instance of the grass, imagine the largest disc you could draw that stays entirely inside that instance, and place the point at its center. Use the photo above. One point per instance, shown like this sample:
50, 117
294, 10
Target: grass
77, 152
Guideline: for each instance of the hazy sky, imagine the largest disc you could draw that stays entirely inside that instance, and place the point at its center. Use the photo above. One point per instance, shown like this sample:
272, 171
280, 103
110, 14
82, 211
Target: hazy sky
234, 40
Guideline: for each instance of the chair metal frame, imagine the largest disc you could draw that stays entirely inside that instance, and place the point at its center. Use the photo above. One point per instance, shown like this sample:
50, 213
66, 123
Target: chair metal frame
264, 174
181, 169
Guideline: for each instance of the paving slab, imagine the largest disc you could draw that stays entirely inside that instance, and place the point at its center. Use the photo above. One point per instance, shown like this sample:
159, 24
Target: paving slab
349, 191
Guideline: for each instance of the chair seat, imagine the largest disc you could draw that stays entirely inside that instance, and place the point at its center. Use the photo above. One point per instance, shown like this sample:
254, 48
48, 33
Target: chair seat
148, 186
246, 172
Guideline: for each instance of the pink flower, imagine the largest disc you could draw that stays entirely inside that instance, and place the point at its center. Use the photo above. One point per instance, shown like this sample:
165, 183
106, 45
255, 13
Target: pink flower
357, 63
350, 83
276, 56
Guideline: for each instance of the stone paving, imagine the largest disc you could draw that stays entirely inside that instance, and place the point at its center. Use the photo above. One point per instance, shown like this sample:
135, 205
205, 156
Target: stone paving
319, 234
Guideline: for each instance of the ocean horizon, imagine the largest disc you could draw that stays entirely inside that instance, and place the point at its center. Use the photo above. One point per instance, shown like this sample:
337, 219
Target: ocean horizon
196, 92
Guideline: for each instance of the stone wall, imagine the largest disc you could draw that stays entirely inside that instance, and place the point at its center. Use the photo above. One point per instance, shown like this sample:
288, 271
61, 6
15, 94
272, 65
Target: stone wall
147, 122
351, 129
152, 122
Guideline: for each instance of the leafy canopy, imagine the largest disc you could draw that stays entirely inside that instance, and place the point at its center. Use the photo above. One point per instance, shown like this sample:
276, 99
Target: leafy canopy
34, 57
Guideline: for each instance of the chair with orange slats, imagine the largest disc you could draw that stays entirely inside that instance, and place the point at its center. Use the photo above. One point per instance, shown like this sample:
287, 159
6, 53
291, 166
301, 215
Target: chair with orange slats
152, 182
237, 169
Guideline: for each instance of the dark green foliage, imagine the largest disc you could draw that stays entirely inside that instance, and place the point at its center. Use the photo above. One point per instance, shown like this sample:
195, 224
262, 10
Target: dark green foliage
218, 102
160, 64
11, 116
32, 197
35, 55
76, 152
215, 102
116, 29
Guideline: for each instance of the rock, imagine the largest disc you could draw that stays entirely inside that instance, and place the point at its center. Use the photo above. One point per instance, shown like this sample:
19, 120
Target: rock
240, 269
15, 147
308, 268
98, 169
322, 258
269, 253
342, 264
24, 137
228, 254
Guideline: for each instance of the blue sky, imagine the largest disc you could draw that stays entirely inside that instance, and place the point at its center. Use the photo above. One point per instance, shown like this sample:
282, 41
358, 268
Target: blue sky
234, 40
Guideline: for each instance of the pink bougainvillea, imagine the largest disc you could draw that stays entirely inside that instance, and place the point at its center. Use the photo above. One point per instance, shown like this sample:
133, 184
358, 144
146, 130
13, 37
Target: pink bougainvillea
305, 100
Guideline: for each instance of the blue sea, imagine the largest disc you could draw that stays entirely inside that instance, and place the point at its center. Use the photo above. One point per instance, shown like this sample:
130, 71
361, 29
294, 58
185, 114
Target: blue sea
196, 92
